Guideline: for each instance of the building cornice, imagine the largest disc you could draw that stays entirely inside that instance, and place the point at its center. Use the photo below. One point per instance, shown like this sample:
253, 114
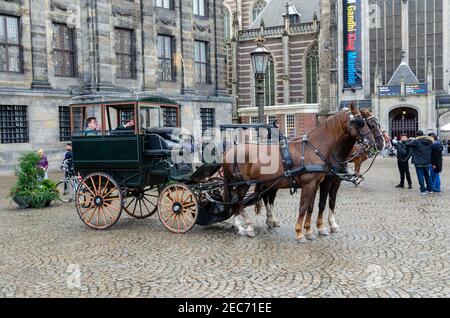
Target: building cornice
287, 109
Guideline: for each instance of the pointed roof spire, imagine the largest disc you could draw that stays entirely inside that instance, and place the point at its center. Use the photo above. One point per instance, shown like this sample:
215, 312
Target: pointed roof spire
403, 74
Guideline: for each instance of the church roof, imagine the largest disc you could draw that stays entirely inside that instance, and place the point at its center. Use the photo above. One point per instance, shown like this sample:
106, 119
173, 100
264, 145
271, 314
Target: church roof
403, 74
273, 14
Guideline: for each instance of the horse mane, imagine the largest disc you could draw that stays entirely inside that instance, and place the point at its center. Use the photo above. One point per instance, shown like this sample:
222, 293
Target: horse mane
334, 123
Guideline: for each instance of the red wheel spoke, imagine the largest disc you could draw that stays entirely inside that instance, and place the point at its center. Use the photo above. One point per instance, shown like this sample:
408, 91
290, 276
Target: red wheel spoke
110, 215
86, 186
92, 215
93, 185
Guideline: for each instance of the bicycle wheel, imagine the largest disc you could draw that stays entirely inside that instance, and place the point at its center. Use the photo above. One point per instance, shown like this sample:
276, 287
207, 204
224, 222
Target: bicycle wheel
65, 191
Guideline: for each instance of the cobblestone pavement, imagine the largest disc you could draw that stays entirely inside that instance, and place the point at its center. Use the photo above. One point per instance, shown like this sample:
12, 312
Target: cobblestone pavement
393, 243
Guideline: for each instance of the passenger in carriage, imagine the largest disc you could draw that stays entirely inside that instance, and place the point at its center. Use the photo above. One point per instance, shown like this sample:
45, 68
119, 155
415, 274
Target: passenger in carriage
92, 126
128, 126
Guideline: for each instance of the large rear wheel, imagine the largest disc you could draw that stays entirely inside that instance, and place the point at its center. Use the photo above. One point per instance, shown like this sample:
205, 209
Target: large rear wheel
178, 208
99, 201
142, 203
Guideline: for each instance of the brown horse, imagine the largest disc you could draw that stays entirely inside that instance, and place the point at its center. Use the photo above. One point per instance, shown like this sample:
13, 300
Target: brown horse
332, 183
246, 163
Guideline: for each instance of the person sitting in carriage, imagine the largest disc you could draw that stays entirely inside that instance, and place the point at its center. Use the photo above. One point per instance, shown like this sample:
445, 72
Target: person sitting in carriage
92, 126
128, 126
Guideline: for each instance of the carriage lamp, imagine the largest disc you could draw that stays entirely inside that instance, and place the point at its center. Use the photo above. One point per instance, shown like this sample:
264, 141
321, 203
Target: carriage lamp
260, 58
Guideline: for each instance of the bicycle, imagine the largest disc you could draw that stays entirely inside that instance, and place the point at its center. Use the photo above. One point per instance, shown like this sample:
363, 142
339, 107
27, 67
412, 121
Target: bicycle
67, 187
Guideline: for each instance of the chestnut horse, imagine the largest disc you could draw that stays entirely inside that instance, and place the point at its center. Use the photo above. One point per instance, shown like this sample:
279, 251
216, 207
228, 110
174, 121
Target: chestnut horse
243, 164
330, 186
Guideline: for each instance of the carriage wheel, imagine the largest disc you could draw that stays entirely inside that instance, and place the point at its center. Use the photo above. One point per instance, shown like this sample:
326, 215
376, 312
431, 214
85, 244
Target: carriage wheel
142, 203
99, 201
178, 208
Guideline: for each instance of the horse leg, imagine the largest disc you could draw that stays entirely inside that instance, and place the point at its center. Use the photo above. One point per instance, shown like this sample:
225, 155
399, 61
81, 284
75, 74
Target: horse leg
308, 190
250, 230
239, 224
240, 193
331, 217
309, 232
324, 190
269, 200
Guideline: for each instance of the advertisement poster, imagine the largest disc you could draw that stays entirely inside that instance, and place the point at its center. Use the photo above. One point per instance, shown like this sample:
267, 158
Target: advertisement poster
352, 45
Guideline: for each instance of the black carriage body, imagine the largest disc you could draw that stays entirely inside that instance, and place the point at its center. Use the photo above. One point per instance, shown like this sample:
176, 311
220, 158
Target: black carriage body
135, 157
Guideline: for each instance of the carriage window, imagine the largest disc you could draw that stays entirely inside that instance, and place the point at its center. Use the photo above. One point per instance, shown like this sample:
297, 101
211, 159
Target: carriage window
119, 119
150, 117
87, 120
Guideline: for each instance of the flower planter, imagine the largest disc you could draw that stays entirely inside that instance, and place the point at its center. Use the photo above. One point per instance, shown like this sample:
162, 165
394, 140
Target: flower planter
22, 202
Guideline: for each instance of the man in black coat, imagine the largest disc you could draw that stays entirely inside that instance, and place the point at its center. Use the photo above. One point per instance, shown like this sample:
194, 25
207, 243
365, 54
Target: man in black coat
420, 150
436, 163
403, 166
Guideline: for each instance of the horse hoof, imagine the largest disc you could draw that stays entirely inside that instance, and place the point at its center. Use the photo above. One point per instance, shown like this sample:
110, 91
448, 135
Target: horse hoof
302, 240
324, 232
310, 237
272, 224
335, 230
251, 233
242, 232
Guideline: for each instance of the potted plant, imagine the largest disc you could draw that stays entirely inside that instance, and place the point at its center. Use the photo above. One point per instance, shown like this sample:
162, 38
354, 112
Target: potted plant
31, 190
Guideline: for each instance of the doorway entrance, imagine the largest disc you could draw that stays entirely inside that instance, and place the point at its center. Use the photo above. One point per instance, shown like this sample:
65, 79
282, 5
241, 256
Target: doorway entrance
403, 120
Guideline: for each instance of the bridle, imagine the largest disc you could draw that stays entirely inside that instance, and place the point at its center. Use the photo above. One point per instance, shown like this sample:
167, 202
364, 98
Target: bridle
363, 130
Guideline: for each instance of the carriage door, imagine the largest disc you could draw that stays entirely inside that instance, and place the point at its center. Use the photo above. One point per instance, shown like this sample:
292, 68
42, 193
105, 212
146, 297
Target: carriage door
403, 120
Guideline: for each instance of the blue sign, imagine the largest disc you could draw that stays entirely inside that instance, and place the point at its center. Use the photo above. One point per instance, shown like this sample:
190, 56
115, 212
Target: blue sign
416, 89
352, 45
386, 91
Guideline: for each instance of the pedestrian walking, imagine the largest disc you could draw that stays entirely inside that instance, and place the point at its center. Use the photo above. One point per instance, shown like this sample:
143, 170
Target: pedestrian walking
402, 155
436, 163
420, 150
43, 163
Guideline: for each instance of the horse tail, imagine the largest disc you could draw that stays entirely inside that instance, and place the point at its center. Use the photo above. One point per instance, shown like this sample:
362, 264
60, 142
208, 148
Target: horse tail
226, 187
258, 205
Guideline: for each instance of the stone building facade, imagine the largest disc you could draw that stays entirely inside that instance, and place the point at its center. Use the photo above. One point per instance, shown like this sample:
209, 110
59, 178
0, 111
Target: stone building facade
292, 92
52, 51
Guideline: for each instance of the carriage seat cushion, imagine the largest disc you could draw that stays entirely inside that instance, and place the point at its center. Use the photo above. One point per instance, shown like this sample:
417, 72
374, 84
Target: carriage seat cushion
157, 146
158, 152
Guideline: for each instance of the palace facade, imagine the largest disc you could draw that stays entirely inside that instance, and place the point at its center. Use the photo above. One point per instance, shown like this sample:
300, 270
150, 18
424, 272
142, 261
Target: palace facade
52, 51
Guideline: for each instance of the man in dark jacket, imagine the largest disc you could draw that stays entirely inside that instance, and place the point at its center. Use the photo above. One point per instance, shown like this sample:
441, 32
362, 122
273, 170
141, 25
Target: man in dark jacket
403, 166
436, 163
420, 150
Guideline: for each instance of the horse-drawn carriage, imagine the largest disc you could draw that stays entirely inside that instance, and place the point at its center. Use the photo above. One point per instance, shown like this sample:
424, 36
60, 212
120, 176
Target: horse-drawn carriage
125, 154
128, 160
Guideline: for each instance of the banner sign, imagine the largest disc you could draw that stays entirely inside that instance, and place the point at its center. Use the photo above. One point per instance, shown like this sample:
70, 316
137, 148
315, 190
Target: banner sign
352, 44
396, 90
386, 91
416, 89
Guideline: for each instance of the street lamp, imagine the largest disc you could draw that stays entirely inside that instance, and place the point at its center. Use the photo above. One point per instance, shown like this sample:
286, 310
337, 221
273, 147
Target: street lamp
260, 58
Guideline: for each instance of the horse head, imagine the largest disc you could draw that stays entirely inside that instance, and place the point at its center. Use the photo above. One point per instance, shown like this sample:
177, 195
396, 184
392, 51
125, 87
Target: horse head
375, 128
358, 127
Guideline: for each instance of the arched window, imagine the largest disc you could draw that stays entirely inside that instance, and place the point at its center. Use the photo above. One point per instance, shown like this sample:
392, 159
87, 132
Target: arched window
257, 8
227, 24
269, 85
312, 76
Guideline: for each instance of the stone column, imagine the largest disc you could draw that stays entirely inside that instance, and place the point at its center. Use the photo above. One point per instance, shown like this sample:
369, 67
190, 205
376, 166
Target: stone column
98, 47
325, 57
38, 19
405, 34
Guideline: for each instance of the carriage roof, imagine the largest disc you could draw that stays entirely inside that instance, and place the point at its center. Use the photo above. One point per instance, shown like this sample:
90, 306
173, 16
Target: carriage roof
111, 100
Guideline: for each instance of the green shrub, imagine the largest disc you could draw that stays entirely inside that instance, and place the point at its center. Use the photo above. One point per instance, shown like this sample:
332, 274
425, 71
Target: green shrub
39, 193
